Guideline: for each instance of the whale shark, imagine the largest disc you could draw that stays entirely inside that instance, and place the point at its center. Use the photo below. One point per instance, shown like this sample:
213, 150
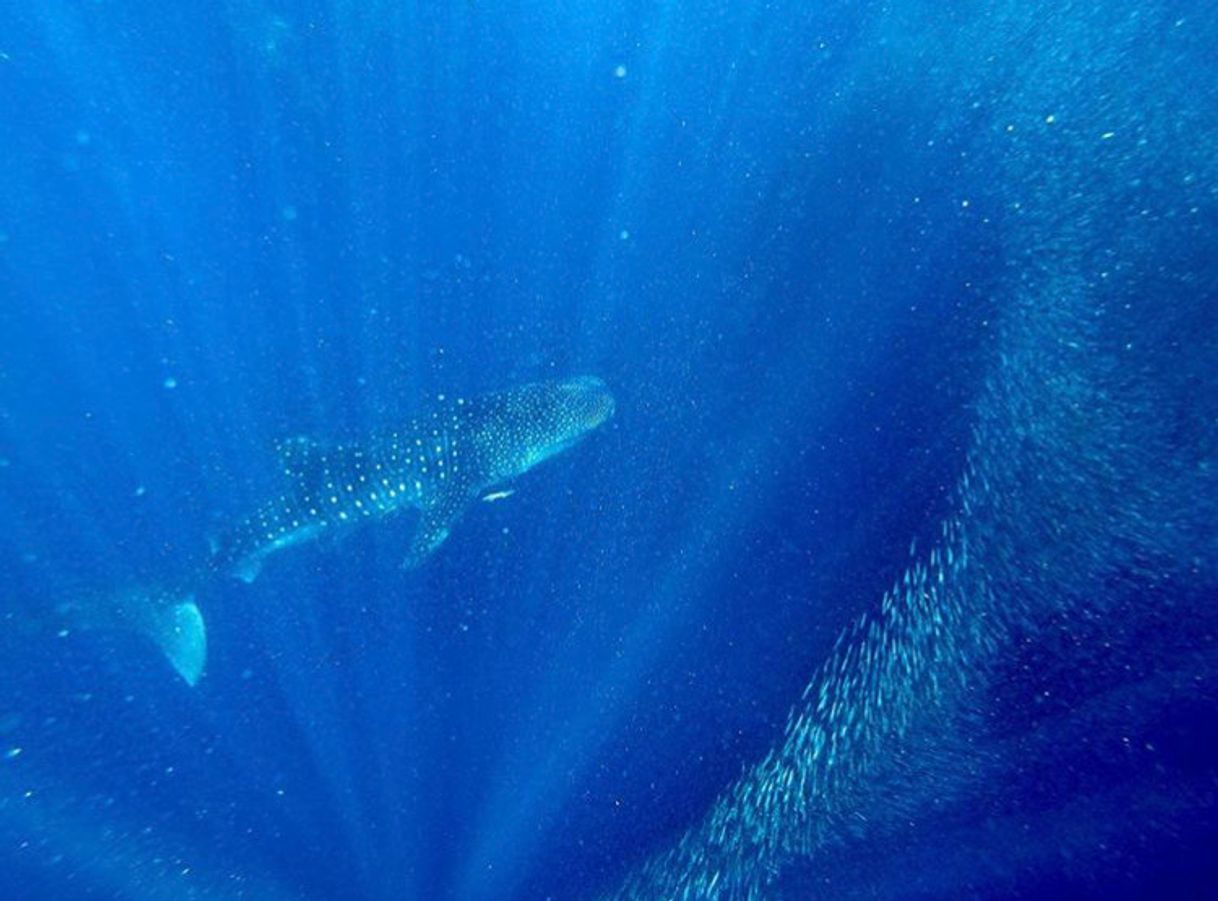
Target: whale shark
437, 464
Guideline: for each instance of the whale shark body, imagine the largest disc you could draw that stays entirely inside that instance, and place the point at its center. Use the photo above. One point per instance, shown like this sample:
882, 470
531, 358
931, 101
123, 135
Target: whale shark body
436, 464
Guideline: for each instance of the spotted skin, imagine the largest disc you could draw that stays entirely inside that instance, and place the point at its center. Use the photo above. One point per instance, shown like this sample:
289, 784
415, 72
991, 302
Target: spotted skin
437, 464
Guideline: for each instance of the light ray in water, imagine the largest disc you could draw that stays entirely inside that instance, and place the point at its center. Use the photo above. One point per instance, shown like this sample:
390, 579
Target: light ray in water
1088, 461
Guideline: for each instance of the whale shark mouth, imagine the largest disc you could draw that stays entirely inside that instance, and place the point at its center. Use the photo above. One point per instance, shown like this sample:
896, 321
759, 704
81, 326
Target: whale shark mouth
596, 404
602, 411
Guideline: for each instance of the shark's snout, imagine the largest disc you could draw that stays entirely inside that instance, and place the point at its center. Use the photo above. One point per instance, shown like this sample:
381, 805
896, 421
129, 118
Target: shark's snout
537, 421
590, 400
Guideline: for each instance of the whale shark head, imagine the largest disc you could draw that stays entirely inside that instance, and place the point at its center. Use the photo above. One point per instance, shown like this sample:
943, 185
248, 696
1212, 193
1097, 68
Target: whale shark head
522, 427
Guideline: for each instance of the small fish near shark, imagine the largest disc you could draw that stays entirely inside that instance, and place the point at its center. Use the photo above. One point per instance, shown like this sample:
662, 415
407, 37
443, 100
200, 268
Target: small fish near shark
438, 463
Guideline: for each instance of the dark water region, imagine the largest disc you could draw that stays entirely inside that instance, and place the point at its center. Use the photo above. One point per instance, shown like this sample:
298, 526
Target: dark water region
892, 574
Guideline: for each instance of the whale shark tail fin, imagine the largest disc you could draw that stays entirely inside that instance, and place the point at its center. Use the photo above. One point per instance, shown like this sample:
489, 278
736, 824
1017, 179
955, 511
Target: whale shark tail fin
171, 620
180, 633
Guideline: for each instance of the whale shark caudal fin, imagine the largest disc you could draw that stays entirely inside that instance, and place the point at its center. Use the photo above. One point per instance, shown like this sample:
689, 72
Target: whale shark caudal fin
170, 620
178, 630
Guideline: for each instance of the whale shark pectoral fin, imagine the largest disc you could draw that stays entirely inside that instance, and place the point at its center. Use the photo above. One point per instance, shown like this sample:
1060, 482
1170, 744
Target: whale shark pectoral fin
422, 546
434, 527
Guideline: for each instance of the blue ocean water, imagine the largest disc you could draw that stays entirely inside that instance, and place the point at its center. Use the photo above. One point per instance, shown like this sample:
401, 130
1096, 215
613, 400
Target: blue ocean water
892, 575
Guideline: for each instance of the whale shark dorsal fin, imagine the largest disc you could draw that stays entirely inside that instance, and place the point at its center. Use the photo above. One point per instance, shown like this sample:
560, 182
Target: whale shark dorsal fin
301, 459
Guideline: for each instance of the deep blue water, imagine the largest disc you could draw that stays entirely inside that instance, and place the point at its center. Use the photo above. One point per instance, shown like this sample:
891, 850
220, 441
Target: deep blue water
909, 313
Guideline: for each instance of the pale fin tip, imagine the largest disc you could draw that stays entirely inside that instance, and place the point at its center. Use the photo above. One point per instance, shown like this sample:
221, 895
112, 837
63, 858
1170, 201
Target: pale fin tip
181, 635
247, 570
